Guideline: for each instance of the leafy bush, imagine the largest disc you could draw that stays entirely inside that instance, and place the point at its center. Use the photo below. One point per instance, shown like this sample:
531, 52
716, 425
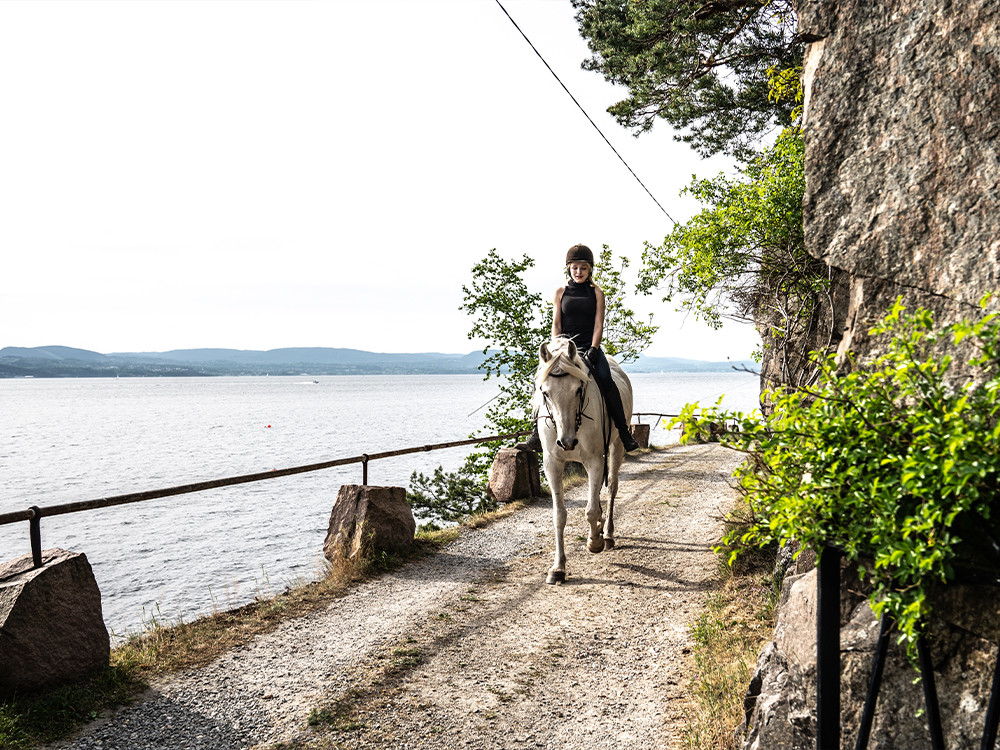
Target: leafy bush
892, 462
448, 496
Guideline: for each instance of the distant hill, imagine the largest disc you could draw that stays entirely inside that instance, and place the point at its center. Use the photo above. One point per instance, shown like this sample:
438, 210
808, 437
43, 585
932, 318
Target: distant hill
676, 364
63, 361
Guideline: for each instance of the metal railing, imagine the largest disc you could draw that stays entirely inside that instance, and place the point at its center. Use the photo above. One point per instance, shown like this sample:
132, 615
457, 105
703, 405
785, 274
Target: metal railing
640, 414
34, 514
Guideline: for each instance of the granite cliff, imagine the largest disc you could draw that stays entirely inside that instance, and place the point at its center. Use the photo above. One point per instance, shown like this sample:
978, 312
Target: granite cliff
901, 125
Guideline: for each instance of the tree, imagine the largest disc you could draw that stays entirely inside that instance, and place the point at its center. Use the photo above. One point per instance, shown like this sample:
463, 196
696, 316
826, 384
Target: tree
701, 65
514, 322
744, 257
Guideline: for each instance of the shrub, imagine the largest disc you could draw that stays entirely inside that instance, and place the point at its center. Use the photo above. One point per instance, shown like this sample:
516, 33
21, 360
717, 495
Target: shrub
892, 462
449, 496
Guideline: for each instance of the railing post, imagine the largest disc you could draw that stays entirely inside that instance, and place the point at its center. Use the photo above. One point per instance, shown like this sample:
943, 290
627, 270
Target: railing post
828, 650
364, 469
35, 533
992, 710
874, 683
930, 694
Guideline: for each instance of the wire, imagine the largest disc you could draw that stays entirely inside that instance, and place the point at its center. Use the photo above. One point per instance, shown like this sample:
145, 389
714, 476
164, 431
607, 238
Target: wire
585, 112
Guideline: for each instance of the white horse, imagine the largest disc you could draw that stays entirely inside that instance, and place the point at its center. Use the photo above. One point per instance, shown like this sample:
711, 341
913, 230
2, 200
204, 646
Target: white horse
574, 425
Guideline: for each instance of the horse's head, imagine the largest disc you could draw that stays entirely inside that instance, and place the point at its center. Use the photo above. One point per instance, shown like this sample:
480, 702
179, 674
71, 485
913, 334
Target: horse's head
562, 382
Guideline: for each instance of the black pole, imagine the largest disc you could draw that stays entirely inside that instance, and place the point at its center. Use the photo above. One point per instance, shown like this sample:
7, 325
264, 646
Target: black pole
992, 710
930, 695
35, 533
828, 651
874, 682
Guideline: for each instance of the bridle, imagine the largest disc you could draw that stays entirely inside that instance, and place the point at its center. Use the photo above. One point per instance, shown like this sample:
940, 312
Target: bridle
581, 406
581, 413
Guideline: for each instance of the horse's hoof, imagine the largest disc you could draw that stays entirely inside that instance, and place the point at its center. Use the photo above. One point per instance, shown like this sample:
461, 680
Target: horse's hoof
609, 543
556, 576
596, 545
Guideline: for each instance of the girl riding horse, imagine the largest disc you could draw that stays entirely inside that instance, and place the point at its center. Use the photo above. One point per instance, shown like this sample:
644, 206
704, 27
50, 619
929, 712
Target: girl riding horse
579, 315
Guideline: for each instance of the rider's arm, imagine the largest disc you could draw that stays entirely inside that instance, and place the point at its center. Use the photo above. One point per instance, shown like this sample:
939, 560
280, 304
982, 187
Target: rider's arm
599, 319
557, 313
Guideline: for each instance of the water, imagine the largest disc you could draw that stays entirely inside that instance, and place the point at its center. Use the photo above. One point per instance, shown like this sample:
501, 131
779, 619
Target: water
64, 440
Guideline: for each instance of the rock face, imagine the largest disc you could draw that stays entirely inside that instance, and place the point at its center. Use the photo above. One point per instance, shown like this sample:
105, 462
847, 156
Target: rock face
902, 134
52, 630
369, 520
781, 701
514, 475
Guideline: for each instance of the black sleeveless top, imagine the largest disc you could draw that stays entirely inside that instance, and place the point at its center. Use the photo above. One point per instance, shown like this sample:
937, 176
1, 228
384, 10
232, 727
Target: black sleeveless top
578, 308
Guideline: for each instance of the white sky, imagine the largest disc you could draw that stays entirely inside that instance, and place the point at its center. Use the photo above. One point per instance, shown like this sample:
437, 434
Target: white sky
264, 174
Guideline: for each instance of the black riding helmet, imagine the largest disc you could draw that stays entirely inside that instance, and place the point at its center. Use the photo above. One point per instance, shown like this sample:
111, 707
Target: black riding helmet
580, 254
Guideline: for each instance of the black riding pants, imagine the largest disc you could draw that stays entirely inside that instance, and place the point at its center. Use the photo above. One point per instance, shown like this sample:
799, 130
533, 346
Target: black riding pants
602, 374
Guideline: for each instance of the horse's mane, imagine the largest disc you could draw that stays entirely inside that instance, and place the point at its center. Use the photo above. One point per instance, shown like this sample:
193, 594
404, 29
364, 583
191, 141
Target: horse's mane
560, 363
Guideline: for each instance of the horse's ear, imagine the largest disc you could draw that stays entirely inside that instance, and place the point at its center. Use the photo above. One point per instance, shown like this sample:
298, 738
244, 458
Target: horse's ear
572, 349
544, 353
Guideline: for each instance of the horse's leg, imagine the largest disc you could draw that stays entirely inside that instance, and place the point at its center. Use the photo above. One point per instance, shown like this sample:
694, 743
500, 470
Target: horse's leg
554, 473
614, 464
595, 476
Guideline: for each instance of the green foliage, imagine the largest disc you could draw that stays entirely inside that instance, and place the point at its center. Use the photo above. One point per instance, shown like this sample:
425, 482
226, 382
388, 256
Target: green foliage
514, 321
625, 336
727, 258
890, 462
701, 65
449, 496
744, 257
786, 86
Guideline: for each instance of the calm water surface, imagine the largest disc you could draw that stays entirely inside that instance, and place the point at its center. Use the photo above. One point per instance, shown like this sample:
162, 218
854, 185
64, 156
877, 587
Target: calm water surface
63, 440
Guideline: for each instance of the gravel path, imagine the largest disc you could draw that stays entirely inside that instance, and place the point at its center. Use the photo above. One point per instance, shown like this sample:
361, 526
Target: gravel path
470, 648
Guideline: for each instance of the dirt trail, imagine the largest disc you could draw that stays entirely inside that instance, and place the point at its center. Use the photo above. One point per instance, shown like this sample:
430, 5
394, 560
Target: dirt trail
470, 648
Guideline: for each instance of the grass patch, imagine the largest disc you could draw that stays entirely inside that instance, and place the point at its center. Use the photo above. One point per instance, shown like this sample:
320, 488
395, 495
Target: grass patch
405, 659
737, 621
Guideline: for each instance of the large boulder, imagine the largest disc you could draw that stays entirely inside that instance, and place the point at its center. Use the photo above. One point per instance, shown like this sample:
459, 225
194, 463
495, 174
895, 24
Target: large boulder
902, 168
369, 520
52, 629
640, 433
514, 475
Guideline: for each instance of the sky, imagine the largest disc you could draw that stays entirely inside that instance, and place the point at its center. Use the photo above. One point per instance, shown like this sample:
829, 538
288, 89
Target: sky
256, 175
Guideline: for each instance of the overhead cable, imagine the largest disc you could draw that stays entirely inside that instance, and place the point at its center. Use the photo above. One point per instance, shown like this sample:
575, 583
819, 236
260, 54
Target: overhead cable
580, 106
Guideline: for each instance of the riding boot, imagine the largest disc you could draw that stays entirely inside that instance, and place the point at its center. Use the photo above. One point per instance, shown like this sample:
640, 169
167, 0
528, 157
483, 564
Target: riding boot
617, 412
533, 443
